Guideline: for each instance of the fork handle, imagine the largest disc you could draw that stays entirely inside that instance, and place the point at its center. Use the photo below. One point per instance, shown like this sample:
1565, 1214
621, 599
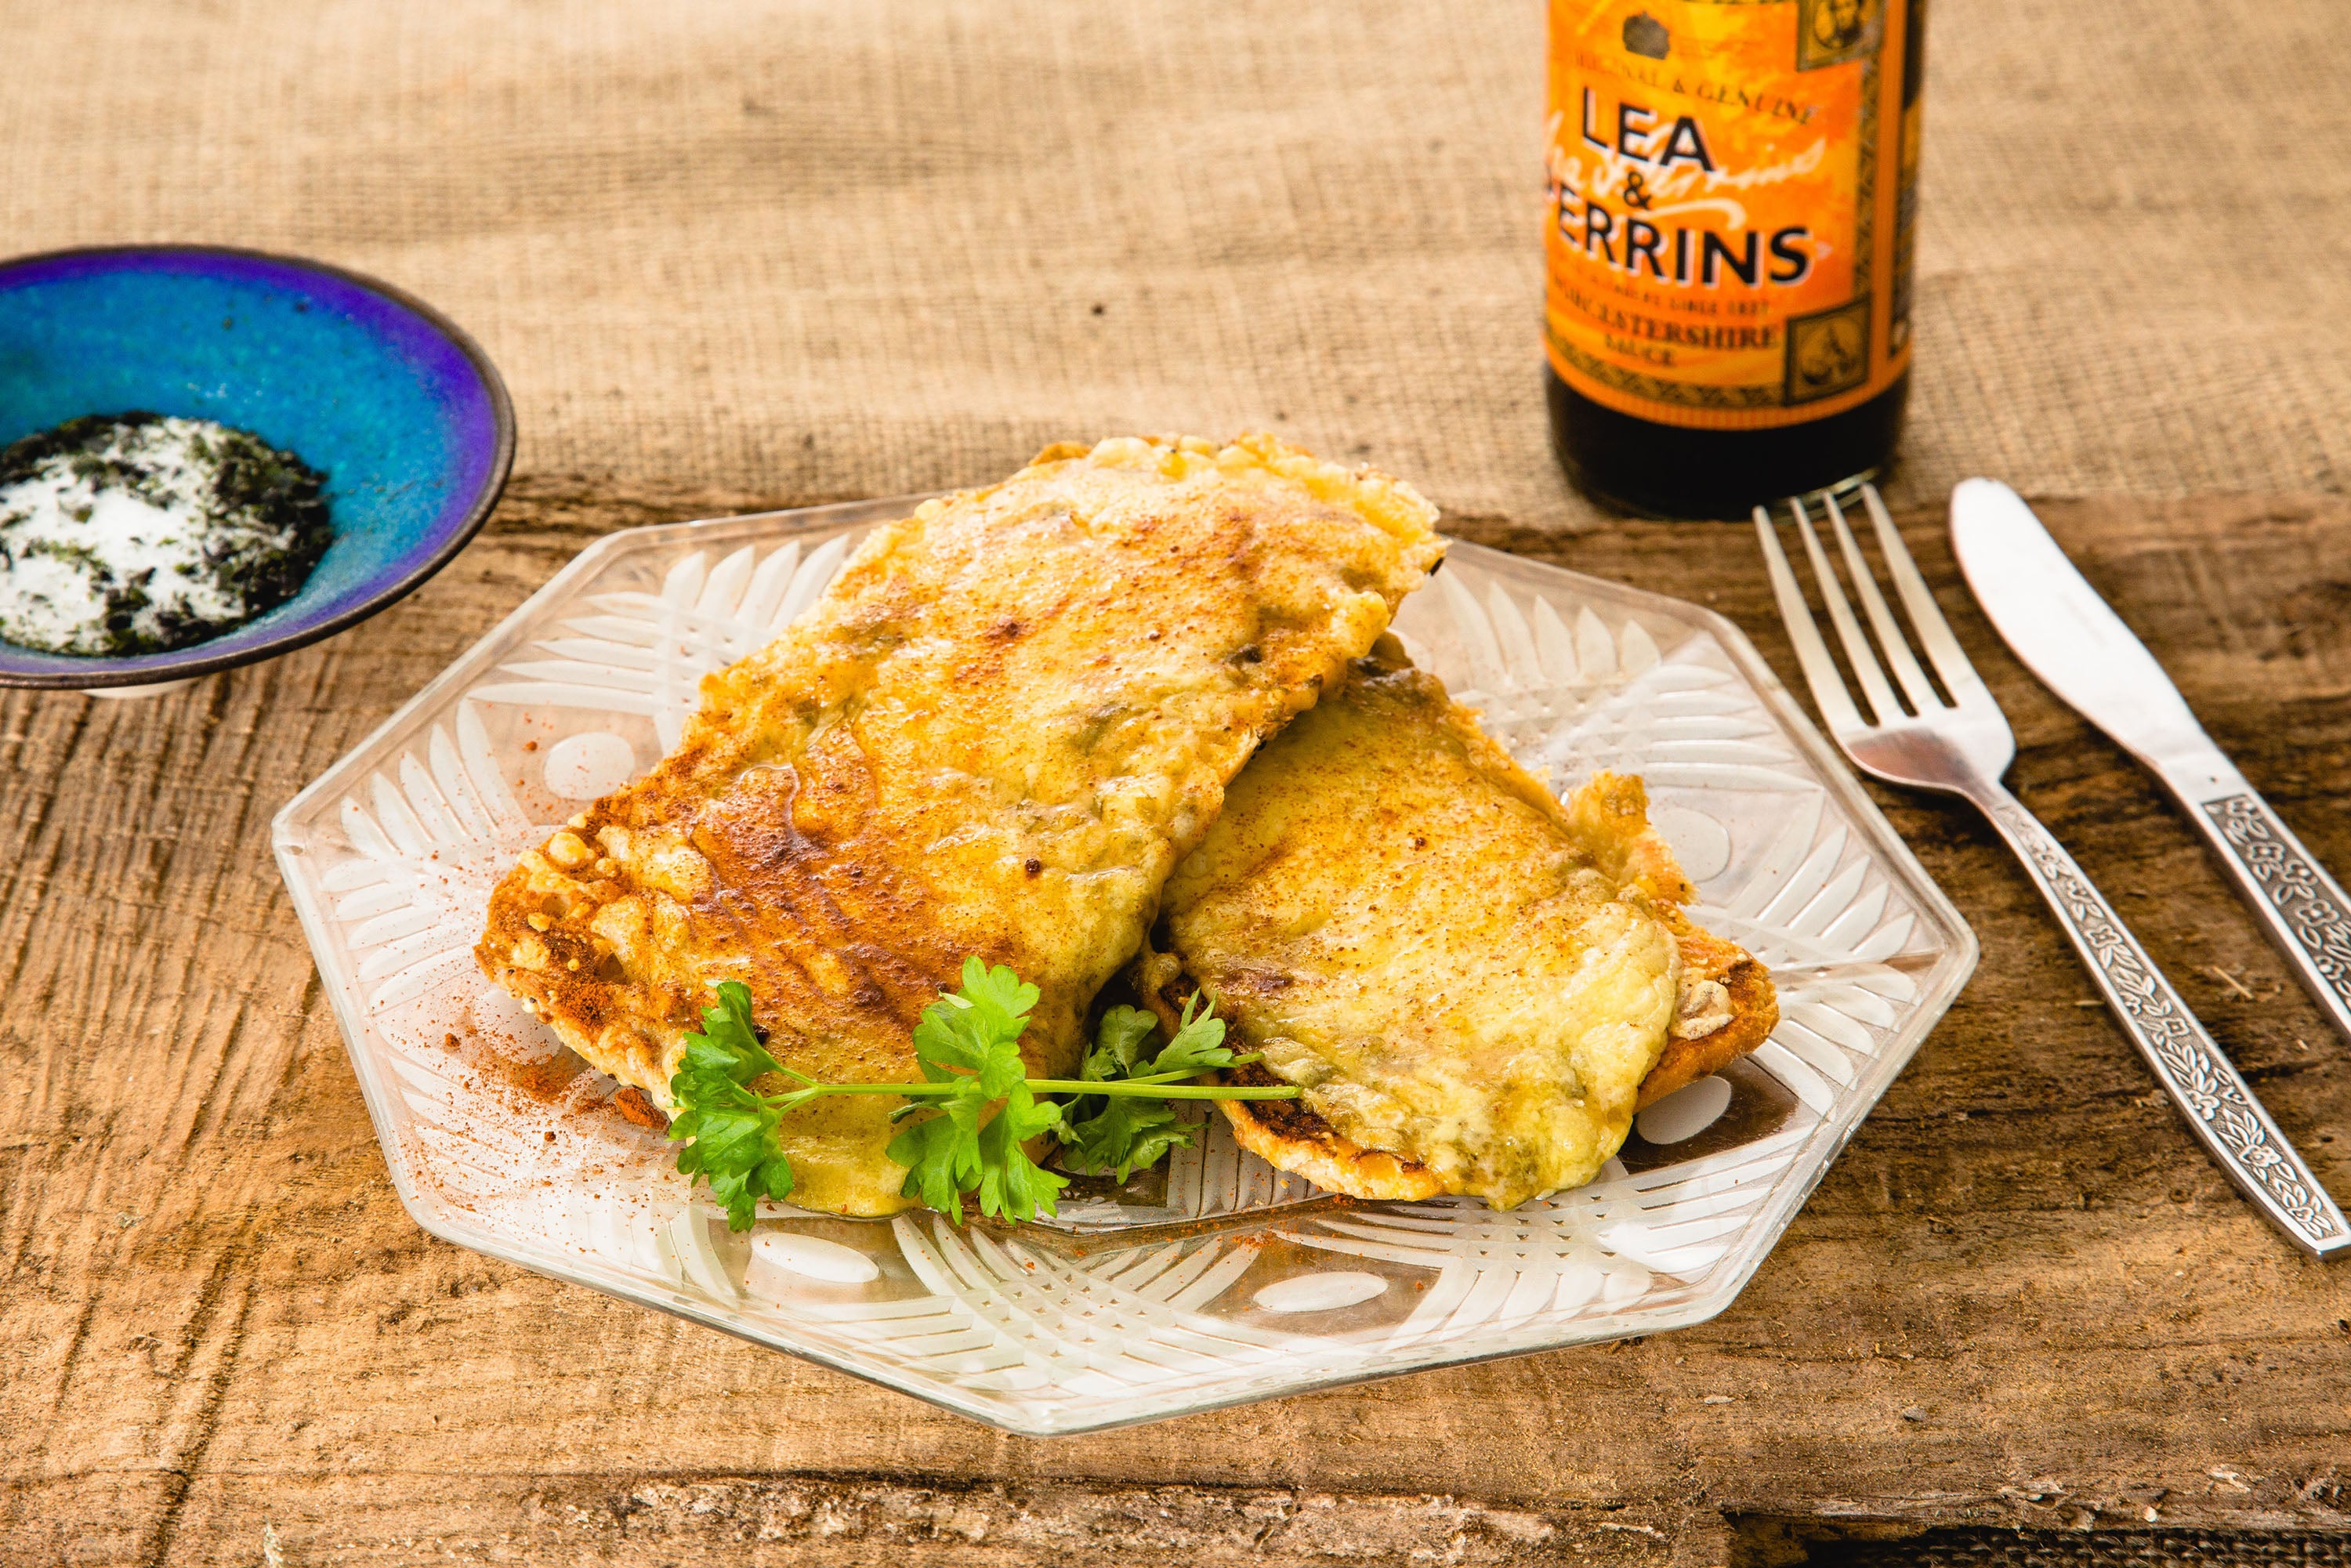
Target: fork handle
2221, 1110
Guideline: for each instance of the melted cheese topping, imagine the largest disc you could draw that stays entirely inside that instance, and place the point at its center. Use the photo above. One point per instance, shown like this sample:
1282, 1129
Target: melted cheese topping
1454, 969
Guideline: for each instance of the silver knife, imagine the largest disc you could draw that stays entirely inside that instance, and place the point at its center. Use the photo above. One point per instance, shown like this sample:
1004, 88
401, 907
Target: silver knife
2066, 634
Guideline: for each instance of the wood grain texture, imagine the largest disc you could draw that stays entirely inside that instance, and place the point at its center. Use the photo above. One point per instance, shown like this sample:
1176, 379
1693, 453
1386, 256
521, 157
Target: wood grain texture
2021, 1296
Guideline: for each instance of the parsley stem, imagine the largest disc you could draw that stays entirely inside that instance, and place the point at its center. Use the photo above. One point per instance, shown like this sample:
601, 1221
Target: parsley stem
1118, 1087
1152, 1089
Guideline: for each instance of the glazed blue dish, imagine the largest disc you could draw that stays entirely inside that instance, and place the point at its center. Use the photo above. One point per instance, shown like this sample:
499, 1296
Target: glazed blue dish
399, 407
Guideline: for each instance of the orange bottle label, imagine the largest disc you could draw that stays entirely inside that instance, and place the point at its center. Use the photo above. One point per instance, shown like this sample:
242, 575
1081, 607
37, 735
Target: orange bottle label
1726, 215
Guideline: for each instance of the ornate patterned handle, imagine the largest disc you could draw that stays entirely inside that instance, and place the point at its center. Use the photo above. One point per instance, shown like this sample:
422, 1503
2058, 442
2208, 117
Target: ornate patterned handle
2308, 915
2221, 1110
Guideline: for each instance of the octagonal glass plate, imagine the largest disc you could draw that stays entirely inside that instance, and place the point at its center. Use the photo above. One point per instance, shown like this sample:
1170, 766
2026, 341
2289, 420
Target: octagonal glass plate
1215, 1279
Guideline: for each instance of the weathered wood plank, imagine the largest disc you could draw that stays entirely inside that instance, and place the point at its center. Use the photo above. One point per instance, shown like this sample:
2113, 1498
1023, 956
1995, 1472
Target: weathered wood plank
885, 1521
215, 1312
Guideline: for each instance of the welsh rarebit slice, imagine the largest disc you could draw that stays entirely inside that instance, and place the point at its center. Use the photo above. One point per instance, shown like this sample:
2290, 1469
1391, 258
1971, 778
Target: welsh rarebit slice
996, 734
1474, 986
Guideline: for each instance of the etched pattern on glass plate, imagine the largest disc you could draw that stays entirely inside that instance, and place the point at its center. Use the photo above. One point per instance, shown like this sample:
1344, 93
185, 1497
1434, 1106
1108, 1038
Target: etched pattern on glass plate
1217, 1277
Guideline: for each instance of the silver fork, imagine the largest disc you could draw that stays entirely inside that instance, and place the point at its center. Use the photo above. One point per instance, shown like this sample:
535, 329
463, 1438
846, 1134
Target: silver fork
1962, 746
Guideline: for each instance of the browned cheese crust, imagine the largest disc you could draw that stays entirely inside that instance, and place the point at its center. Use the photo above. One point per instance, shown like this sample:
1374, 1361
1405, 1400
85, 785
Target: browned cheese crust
1238, 910
1752, 999
994, 735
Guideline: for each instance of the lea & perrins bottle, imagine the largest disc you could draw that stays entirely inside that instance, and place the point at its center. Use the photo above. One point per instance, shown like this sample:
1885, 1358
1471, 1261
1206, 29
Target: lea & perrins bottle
1727, 311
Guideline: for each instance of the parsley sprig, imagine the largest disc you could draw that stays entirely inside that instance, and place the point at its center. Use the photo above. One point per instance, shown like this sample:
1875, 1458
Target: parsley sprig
968, 1123
1130, 1133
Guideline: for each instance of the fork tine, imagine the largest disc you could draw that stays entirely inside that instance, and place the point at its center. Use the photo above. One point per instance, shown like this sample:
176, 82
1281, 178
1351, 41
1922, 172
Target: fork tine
1857, 651
1960, 677
1890, 640
1811, 653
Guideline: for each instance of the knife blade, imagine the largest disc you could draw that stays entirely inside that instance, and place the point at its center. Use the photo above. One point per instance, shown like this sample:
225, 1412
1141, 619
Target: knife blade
2061, 631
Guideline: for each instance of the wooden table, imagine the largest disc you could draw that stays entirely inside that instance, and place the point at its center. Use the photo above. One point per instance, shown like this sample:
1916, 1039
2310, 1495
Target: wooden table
2022, 1297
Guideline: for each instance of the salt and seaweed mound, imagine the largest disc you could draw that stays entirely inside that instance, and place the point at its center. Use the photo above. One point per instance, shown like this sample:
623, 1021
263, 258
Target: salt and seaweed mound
137, 533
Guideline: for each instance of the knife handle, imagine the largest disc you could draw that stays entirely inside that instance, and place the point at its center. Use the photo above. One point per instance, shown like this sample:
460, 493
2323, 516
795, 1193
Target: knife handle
2221, 1110
2308, 915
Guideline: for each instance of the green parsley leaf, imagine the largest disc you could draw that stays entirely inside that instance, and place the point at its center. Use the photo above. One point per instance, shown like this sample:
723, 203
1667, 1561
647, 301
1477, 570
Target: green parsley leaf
1198, 1045
941, 1152
975, 1030
1118, 1041
970, 1038
735, 1141
1011, 1184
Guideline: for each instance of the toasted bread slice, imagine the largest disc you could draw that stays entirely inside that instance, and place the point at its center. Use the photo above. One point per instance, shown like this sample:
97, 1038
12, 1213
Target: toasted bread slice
1475, 986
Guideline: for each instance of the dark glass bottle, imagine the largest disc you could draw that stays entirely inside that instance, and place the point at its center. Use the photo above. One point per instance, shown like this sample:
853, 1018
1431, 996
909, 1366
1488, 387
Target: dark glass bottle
1673, 472
1728, 310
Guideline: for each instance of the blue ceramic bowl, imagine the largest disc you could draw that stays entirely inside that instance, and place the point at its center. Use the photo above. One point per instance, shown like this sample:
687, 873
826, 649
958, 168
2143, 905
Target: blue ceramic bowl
400, 408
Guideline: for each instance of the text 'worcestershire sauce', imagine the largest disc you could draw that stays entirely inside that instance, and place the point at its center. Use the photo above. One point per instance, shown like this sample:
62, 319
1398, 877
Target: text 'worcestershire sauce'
1727, 314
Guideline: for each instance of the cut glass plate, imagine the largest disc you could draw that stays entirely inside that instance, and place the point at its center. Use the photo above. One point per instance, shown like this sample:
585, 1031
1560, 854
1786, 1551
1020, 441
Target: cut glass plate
1215, 1279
